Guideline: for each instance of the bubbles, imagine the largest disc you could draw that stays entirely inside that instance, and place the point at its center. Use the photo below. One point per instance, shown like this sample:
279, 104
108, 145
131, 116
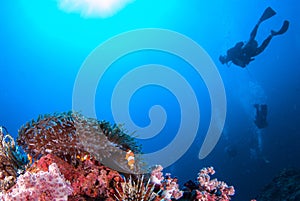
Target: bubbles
100, 60
249, 94
257, 93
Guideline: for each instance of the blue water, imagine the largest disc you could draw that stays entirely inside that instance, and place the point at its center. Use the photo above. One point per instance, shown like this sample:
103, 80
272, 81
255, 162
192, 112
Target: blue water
43, 49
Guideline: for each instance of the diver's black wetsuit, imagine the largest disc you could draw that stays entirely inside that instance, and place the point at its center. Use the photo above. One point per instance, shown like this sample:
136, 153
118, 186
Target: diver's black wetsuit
242, 54
264, 44
261, 116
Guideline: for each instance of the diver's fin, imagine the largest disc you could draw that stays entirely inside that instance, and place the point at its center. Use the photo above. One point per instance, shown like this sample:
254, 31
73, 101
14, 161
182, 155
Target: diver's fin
269, 12
282, 30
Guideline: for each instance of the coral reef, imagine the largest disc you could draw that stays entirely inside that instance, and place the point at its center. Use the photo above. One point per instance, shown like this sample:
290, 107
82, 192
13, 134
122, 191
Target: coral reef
12, 160
51, 178
212, 189
285, 186
129, 189
156, 188
42, 186
89, 180
83, 159
165, 188
71, 136
207, 189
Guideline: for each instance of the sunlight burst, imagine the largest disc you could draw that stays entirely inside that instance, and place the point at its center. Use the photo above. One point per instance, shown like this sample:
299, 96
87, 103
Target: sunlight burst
93, 8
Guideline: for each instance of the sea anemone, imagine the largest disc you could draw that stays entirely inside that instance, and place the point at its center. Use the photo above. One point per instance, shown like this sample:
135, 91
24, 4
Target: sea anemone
72, 136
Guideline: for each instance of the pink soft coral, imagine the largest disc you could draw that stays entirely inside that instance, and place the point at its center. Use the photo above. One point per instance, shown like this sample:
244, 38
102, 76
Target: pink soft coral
50, 186
89, 180
212, 189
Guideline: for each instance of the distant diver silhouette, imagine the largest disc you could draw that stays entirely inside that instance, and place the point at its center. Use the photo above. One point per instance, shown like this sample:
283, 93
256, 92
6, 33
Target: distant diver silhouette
261, 115
242, 54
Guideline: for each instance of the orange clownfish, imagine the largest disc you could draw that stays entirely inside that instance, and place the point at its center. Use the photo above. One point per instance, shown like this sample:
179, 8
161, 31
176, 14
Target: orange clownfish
130, 159
29, 158
83, 158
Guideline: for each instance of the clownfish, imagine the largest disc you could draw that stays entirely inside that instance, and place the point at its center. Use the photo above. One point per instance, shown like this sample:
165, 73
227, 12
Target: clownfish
29, 158
83, 158
130, 159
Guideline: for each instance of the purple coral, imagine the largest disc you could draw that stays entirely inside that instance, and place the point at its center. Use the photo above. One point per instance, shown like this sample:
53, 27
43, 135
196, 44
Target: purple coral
42, 185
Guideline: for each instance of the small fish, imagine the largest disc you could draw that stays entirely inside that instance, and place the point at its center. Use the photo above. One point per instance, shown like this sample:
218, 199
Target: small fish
83, 158
130, 159
29, 158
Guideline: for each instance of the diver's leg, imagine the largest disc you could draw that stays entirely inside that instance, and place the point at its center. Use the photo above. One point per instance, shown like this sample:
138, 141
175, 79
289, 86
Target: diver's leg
265, 43
254, 32
282, 30
263, 46
268, 13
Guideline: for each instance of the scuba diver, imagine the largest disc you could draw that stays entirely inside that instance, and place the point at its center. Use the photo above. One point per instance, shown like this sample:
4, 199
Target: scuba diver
242, 54
261, 115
